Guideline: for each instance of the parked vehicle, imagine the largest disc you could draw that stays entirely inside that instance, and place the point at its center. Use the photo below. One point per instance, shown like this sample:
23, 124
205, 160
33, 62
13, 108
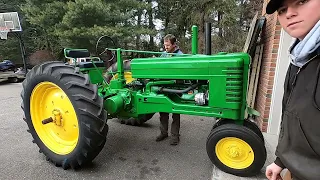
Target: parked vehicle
7, 65
12, 77
21, 71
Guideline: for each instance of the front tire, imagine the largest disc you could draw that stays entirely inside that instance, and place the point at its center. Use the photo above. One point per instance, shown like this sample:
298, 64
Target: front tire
76, 129
236, 149
247, 123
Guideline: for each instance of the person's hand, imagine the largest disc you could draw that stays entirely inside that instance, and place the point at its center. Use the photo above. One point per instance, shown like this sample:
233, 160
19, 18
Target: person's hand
273, 172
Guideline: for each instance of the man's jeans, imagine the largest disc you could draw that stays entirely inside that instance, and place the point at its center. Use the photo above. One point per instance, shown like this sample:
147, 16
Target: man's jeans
164, 122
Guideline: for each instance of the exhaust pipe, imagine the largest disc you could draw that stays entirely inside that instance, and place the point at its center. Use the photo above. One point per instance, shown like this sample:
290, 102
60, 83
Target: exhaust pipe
208, 39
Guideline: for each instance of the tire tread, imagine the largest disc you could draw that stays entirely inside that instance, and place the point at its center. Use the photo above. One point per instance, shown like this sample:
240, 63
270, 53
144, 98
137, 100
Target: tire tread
89, 108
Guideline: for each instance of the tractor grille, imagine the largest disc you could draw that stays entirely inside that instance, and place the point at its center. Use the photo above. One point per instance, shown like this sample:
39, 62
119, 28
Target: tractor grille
234, 83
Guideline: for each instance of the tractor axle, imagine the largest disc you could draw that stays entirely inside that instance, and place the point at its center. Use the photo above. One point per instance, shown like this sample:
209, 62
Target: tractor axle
46, 121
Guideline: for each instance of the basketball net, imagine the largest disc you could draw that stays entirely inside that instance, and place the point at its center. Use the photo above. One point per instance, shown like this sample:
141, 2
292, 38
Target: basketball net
4, 32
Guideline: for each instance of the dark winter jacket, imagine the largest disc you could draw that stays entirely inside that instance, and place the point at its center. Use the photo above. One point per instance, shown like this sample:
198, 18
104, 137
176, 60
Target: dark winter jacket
177, 51
299, 140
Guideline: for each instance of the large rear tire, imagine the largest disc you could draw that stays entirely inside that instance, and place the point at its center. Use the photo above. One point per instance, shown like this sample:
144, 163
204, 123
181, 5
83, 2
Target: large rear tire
236, 149
64, 114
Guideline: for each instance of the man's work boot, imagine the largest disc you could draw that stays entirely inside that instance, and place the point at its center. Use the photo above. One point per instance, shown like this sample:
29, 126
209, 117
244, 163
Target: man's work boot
174, 140
161, 137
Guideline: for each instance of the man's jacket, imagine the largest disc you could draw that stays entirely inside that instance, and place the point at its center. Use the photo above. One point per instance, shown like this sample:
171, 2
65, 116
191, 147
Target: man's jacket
299, 140
177, 51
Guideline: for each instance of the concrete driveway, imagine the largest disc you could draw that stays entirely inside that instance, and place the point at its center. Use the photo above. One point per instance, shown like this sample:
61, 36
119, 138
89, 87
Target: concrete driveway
130, 152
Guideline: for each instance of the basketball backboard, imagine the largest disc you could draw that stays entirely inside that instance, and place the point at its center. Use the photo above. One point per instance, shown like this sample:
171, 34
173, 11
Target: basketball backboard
9, 22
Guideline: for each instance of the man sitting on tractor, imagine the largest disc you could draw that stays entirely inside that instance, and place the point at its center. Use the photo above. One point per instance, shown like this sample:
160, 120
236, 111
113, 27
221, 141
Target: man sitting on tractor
170, 45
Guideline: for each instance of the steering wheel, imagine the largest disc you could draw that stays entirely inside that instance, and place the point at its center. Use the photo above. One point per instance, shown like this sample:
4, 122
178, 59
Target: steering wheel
104, 53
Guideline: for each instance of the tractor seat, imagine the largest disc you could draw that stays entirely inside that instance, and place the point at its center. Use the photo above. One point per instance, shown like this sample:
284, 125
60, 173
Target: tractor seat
77, 53
90, 65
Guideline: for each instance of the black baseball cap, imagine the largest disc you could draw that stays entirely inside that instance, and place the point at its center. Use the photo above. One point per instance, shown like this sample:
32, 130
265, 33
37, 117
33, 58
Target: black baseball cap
273, 6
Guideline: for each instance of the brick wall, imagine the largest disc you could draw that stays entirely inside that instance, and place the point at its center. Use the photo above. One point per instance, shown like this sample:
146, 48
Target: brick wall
270, 38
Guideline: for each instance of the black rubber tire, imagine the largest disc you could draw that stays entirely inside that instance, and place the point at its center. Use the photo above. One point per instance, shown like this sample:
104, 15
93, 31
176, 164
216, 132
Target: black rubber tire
247, 135
114, 68
88, 106
14, 80
254, 127
137, 121
221, 122
247, 123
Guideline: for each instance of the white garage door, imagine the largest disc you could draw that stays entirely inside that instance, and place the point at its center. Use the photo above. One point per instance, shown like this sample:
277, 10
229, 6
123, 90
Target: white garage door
277, 93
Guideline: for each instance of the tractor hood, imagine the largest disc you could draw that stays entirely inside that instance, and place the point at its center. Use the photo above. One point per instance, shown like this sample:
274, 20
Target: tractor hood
200, 67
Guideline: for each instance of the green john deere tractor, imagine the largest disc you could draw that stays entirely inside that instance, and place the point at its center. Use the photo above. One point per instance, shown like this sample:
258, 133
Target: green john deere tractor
66, 107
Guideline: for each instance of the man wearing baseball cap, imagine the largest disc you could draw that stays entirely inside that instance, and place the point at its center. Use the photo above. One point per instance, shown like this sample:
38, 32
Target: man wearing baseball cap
298, 147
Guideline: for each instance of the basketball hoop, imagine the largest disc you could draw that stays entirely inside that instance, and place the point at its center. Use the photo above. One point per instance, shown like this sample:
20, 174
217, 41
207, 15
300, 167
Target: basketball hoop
9, 22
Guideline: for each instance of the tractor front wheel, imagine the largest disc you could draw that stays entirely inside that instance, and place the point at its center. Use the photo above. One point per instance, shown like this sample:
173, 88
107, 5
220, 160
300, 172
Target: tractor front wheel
236, 149
247, 123
64, 114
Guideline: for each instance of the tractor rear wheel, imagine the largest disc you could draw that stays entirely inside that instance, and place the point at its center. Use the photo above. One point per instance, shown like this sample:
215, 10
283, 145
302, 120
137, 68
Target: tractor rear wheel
64, 114
236, 149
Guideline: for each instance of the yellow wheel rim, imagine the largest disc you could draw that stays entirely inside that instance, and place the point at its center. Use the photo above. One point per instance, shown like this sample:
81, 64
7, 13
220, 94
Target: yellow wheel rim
49, 101
234, 153
127, 77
